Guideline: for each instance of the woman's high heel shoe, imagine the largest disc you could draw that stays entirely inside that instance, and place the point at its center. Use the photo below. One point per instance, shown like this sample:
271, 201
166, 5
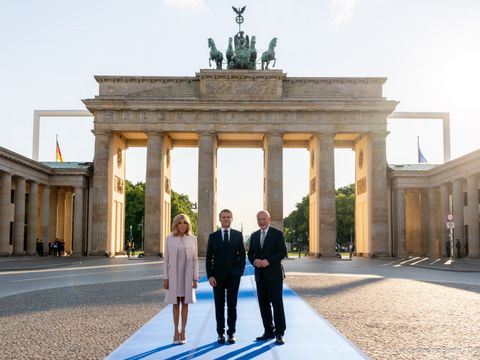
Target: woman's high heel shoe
182, 339
176, 338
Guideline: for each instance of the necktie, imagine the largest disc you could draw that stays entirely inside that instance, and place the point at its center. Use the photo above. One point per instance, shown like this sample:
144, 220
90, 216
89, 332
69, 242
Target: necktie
225, 236
262, 238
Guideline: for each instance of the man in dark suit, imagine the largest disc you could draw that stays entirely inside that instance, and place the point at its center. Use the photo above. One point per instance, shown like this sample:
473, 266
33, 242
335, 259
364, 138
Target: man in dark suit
266, 251
225, 265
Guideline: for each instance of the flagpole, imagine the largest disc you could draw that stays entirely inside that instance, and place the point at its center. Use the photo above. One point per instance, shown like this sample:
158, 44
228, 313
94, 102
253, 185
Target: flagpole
418, 149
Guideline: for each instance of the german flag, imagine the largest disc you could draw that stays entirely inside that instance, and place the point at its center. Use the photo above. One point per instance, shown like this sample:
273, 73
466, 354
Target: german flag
58, 153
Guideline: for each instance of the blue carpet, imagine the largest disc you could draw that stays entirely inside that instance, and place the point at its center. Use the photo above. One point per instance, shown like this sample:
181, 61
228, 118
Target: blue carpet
308, 335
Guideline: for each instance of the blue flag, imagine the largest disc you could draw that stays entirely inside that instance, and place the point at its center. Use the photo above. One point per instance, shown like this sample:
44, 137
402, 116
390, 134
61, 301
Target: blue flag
421, 158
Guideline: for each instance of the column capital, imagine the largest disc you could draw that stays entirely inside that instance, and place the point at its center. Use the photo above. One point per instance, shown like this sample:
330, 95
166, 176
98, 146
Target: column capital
473, 177
101, 132
207, 133
154, 133
325, 134
5, 174
459, 181
273, 133
33, 186
379, 133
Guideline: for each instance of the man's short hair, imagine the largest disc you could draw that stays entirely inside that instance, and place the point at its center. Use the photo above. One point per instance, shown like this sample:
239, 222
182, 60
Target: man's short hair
225, 210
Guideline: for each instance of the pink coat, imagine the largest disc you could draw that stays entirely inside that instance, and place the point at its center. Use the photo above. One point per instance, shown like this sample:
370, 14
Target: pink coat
170, 267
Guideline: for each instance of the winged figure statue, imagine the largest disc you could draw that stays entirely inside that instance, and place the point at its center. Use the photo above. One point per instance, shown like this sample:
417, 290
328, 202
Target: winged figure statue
239, 11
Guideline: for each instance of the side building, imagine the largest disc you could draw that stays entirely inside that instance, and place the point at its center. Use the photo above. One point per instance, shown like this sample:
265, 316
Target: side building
41, 202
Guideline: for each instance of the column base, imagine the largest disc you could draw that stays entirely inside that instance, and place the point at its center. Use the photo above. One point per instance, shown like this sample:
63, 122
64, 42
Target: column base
100, 253
380, 254
145, 253
320, 255
5, 254
22, 253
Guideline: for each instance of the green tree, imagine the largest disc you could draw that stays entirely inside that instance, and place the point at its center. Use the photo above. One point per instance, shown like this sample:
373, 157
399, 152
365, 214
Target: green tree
181, 204
345, 203
135, 210
296, 224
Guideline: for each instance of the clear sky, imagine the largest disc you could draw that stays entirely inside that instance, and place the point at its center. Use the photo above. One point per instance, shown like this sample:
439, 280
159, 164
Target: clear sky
428, 49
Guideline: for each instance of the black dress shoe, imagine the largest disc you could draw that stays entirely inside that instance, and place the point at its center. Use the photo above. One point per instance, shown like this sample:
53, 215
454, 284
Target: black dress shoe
221, 339
265, 336
231, 339
279, 340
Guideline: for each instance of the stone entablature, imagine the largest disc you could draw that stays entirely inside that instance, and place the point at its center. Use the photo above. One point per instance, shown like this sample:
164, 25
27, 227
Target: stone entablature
240, 86
239, 102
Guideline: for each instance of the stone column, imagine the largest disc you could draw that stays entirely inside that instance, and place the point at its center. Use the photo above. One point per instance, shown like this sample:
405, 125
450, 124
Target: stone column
433, 241
77, 245
100, 206
5, 213
19, 224
425, 222
326, 199
458, 233
61, 215
273, 178
45, 217
52, 228
207, 165
472, 217
153, 189
444, 210
401, 245
378, 187
32, 219
67, 237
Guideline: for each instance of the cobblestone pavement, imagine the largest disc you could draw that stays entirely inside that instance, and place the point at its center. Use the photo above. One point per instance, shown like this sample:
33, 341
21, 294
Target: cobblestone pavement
77, 322
397, 318
389, 312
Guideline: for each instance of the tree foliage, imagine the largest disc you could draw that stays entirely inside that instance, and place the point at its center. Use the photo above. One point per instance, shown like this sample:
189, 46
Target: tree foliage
296, 224
345, 203
135, 210
181, 204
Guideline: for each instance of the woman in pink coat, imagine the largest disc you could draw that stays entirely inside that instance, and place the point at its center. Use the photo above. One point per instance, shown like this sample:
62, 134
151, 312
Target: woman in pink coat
180, 272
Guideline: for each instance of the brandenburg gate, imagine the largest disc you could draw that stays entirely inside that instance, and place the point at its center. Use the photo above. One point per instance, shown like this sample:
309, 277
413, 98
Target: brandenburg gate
240, 108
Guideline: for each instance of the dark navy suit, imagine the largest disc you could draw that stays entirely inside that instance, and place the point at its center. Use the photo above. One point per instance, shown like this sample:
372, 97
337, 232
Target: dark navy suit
270, 279
225, 262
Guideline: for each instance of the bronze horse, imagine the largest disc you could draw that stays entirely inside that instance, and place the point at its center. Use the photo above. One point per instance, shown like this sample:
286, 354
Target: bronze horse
269, 55
215, 55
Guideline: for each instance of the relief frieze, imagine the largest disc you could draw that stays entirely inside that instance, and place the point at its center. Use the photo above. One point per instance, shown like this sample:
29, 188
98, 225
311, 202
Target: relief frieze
241, 87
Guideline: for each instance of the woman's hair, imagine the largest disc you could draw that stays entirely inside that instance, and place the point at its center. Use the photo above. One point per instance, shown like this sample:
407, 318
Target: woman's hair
179, 218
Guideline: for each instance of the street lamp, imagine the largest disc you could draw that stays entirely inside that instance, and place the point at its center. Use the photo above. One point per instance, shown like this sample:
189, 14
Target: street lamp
140, 227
